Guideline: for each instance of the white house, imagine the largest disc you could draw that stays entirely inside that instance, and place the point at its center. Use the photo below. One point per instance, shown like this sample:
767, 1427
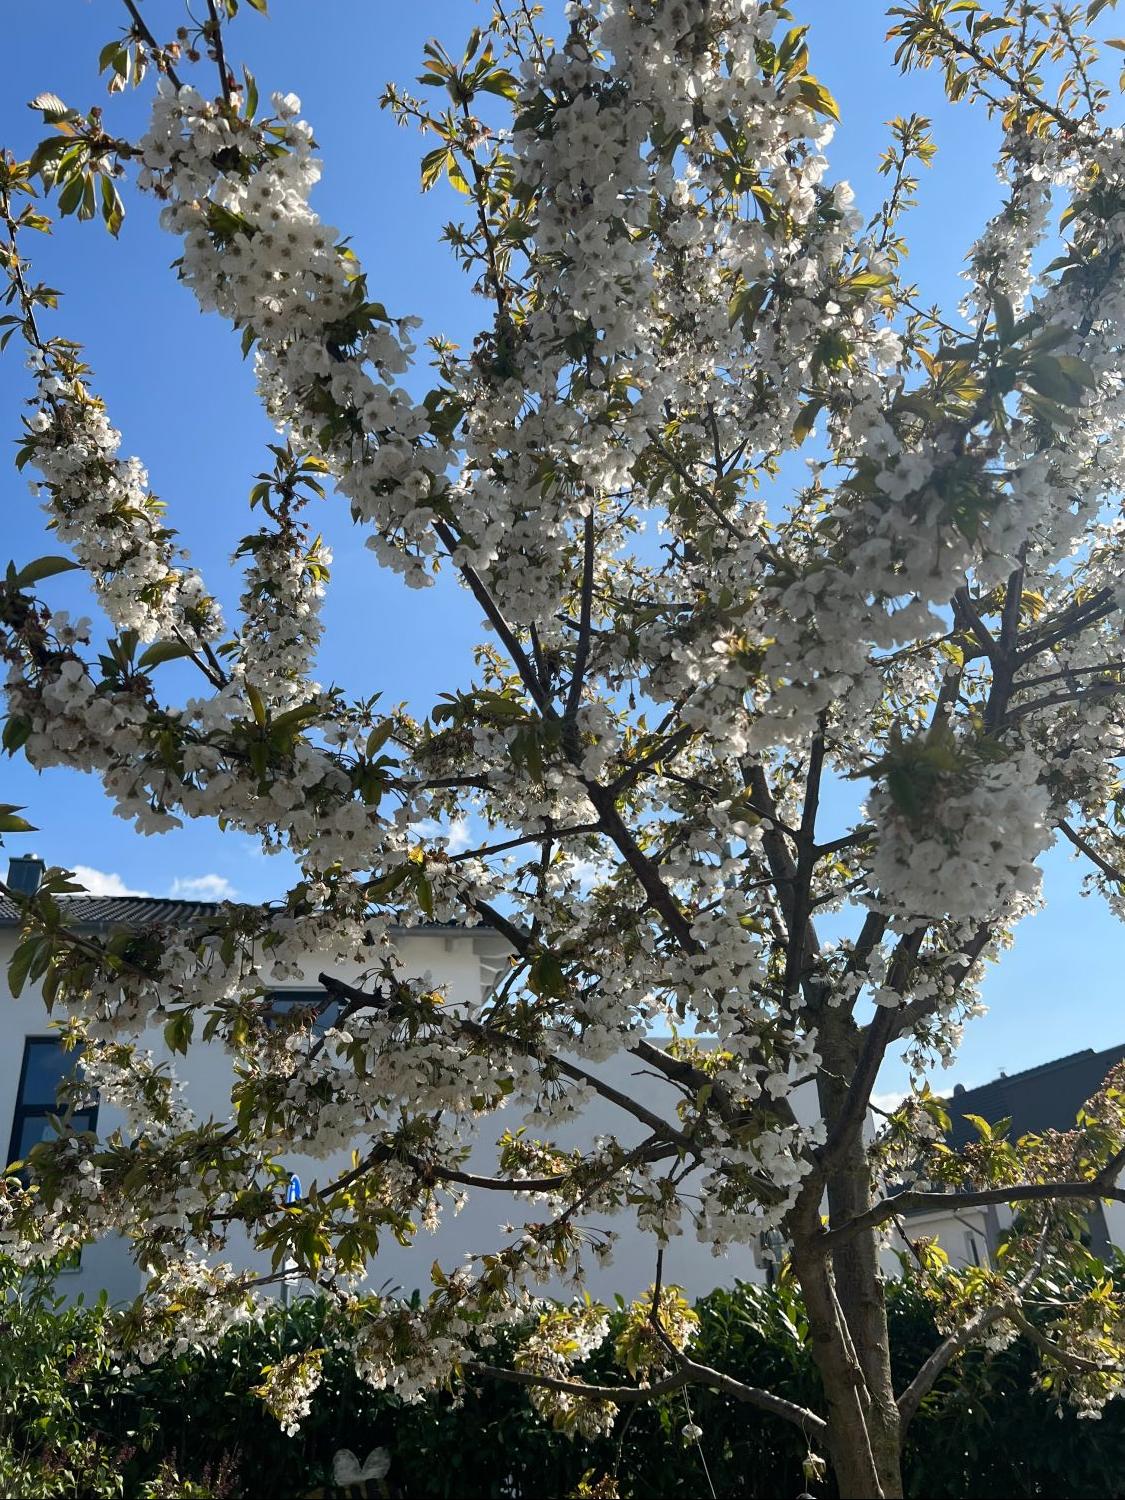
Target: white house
465, 960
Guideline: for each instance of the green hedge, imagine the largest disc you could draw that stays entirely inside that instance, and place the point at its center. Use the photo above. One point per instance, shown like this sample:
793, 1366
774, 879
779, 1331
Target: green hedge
71, 1423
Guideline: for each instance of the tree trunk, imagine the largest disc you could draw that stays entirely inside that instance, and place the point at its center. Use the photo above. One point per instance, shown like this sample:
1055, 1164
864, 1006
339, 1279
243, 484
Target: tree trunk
863, 1434
847, 1311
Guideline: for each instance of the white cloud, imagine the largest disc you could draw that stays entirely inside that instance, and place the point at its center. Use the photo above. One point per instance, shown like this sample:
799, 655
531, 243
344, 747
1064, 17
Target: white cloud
889, 1102
585, 871
457, 834
203, 888
189, 888
103, 882
459, 838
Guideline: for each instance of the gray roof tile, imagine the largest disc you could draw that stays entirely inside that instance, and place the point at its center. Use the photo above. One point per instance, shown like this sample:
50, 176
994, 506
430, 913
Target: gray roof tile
1044, 1098
147, 911
118, 911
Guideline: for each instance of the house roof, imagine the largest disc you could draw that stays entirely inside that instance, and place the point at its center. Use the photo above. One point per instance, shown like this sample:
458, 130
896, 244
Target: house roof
1044, 1098
117, 911
84, 910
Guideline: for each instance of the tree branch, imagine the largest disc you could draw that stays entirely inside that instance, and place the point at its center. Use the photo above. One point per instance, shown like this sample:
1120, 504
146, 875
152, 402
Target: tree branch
1096, 691
664, 749
620, 1395
947, 1351
158, 55
582, 648
1075, 1362
689, 1373
1091, 1188
927, 1377
1090, 852
1067, 623
486, 850
879, 1035
750, 1395
654, 888
800, 925
963, 606
484, 598
214, 32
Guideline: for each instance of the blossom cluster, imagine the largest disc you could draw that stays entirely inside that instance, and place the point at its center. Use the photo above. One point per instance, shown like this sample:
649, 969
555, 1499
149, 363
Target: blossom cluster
100, 505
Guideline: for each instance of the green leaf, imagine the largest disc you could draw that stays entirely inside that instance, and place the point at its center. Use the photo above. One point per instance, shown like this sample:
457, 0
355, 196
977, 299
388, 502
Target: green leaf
46, 151
43, 567
1077, 370
1059, 377
10, 821
113, 210
1005, 317
17, 731
806, 417
177, 1032
71, 195
389, 883
251, 105
816, 97
433, 164
378, 738
456, 176
20, 966
54, 111
1049, 411
546, 977
257, 707
160, 652
292, 718
869, 280
501, 82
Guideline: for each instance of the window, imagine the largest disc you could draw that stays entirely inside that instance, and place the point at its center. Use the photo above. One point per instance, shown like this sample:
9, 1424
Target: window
45, 1066
284, 1002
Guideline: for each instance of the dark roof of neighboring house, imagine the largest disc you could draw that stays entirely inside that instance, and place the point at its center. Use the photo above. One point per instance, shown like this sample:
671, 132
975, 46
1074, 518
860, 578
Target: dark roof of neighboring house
146, 911
1044, 1098
117, 911
84, 910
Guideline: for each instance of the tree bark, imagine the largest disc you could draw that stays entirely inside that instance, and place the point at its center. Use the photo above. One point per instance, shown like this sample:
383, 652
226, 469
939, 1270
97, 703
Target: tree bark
859, 1285
843, 1292
864, 1462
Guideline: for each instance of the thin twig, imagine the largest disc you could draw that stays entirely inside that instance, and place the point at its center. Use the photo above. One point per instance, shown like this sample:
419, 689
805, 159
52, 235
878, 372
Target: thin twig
215, 35
159, 56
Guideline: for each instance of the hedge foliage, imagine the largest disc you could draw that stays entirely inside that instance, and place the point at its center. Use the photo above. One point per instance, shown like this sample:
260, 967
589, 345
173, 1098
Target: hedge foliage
72, 1423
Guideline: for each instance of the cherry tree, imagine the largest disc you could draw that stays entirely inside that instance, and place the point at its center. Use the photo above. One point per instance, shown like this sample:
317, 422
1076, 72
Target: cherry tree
683, 653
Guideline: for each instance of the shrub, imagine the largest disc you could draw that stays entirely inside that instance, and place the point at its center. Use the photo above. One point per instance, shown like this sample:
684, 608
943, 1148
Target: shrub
72, 1421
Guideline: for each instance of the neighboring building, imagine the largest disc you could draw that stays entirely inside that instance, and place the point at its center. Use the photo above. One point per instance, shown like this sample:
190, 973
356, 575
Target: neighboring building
1044, 1098
467, 962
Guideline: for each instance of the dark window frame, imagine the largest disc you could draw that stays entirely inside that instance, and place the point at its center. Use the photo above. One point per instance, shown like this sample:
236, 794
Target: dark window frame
301, 998
40, 1110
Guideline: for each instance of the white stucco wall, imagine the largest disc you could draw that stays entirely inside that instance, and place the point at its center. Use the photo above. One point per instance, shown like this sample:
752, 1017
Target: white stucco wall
1115, 1222
466, 963
963, 1235
969, 1235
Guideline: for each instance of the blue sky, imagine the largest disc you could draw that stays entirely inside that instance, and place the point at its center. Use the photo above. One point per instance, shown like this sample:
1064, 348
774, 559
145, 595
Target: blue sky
176, 385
